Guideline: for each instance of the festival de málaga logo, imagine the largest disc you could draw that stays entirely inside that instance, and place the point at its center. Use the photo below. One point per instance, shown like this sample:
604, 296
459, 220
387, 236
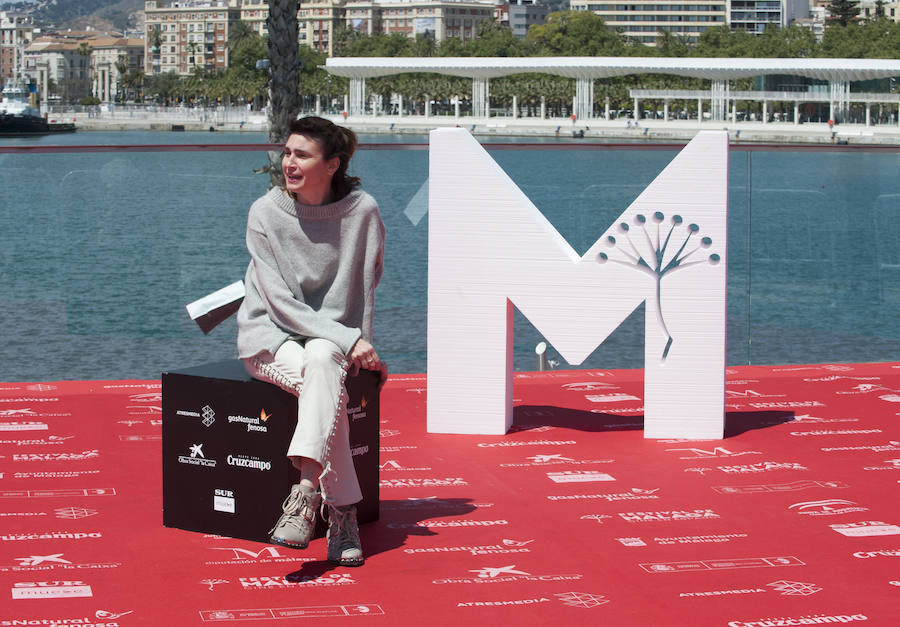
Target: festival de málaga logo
653, 256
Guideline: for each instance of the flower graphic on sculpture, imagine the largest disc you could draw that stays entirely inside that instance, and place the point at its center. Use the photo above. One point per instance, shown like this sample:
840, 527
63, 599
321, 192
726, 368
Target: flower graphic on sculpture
652, 252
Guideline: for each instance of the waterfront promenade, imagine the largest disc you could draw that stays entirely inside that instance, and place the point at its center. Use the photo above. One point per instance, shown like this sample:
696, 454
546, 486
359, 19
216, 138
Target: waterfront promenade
235, 119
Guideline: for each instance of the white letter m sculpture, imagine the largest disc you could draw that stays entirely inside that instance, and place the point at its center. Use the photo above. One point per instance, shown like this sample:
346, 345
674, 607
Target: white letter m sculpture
489, 248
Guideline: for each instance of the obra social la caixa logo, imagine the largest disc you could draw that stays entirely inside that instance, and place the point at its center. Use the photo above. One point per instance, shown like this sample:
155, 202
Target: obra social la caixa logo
502, 574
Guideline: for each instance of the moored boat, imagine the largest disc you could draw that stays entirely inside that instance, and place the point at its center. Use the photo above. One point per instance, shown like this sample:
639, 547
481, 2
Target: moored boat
18, 117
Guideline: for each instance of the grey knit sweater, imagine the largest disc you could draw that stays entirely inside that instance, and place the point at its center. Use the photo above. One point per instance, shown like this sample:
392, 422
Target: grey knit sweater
313, 272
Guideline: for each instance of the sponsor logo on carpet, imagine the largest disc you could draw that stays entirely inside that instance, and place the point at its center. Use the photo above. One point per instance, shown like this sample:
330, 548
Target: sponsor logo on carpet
50, 589
255, 424
579, 476
24, 425
101, 618
505, 444
794, 588
388, 433
28, 399
612, 397
704, 539
423, 483
49, 440
716, 593
266, 555
892, 445
583, 600
881, 553
809, 619
588, 386
505, 546
393, 465
431, 503
501, 574
397, 449
750, 394
719, 451
551, 459
55, 561
292, 613
56, 457
721, 564
283, 583
743, 469
785, 404
808, 419
893, 464
867, 528
55, 474
504, 603
827, 367
794, 486
212, 583
62, 492
669, 515
74, 513
50, 535
866, 388
837, 377
837, 432
827, 507
598, 518
636, 494
438, 524
196, 457
140, 438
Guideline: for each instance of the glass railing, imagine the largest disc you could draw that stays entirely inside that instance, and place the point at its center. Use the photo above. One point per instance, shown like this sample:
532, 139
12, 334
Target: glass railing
102, 246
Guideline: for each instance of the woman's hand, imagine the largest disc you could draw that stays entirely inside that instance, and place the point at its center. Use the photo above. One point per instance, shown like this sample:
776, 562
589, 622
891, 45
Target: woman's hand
363, 355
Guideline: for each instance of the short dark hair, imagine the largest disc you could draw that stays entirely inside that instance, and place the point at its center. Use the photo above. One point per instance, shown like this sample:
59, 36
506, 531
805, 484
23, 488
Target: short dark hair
336, 141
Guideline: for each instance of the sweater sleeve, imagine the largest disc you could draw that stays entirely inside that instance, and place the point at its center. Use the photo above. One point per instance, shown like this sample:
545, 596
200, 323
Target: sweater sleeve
287, 310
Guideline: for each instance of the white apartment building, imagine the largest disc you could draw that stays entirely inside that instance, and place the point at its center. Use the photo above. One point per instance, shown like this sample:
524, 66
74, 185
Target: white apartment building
644, 22
519, 15
867, 9
16, 32
754, 15
60, 61
439, 19
188, 34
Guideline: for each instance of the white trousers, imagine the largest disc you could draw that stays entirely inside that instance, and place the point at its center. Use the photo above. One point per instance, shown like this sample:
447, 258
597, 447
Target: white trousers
315, 372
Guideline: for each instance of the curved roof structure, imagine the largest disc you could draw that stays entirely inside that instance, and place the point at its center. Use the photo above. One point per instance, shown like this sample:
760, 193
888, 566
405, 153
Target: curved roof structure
605, 67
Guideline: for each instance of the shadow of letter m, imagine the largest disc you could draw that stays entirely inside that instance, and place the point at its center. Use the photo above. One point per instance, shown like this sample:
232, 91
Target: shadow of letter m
489, 248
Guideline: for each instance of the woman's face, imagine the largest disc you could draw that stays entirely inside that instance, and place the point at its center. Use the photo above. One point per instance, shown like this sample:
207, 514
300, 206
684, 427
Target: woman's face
306, 171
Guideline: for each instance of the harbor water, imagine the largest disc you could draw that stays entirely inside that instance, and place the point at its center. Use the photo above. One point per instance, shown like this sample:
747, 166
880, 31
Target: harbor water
101, 251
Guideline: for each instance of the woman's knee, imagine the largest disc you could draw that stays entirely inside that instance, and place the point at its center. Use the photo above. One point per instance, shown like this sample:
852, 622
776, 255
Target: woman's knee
323, 355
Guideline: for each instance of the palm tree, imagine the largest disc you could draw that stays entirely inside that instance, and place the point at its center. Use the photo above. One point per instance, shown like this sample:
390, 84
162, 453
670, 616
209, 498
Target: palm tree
284, 97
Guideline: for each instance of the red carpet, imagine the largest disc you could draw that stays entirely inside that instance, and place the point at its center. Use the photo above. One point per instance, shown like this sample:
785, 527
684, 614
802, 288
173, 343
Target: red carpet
573, 518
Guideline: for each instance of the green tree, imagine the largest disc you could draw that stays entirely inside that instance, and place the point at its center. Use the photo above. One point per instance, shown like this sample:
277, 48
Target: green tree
575, 33
494, 40
842, 12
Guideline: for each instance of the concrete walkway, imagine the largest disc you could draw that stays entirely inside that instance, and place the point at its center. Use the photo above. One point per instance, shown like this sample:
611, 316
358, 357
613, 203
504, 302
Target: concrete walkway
597, 129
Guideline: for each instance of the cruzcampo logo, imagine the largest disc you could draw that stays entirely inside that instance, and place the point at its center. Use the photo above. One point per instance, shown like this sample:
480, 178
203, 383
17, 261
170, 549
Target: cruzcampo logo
651, 249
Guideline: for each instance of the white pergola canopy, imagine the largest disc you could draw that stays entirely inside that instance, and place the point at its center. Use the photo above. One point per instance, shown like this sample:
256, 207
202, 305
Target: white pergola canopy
838, 72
